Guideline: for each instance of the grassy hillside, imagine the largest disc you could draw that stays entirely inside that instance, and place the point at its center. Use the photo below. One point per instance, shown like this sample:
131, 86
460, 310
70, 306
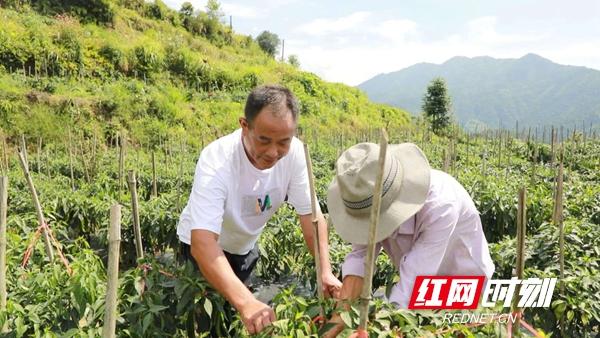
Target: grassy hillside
152, 71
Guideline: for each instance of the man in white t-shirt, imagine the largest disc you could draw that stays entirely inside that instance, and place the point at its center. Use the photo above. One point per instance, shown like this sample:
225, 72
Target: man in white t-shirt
241, 180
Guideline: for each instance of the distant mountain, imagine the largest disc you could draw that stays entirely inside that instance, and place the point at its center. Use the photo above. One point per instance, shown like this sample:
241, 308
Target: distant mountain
533, 90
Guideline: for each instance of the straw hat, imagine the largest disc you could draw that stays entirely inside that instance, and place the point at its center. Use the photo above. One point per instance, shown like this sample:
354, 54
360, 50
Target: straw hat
350, 195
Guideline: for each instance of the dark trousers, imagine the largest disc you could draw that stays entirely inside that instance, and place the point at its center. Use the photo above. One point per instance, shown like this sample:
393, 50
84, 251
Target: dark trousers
242, 266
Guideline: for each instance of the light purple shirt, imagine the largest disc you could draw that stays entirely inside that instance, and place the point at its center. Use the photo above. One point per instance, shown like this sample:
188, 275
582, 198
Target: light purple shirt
445, 237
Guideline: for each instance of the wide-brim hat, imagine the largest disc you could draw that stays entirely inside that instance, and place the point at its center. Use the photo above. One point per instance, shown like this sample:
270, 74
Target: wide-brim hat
350, 196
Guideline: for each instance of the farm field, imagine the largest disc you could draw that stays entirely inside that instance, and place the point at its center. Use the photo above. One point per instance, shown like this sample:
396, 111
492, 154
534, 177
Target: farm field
157, 295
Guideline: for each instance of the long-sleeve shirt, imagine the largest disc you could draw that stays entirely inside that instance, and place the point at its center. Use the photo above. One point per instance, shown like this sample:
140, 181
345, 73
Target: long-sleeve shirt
445, 237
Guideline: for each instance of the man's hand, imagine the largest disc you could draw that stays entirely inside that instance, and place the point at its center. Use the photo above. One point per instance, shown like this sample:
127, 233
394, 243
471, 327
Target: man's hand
256, 315
331, 285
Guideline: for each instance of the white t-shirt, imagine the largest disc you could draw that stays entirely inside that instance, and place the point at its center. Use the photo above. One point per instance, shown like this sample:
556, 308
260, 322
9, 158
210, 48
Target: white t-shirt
234, 199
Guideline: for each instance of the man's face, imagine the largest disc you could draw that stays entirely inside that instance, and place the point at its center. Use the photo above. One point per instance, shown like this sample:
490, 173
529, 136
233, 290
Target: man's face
269, 137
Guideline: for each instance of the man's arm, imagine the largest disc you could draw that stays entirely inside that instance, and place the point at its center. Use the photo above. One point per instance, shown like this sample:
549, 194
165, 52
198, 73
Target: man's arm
216, 270
331, 284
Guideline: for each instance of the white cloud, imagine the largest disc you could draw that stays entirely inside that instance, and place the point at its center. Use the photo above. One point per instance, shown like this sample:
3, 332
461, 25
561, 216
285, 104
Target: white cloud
483, 30
396, 30
323, 26
239, 11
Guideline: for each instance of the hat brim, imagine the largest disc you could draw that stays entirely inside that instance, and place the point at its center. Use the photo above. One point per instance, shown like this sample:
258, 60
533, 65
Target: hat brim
410, 199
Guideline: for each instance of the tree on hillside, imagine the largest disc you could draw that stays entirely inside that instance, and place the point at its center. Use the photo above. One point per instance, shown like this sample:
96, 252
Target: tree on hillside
187, 10
268, 42
294, 61
436, 104
213, 9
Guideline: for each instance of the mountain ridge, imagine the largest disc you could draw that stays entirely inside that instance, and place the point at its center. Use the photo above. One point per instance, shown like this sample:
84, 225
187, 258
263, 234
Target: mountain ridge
531, 89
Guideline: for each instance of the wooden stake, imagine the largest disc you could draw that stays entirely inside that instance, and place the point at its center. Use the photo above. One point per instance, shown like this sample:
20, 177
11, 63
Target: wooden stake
121, 163
139, 250
39, 156
71, 161
83, 151
446, 158
3, 212
365, 296
315, 223
4, 155
114, 242
521, 232
38, 207
553, 145
24, 149
558, 220
154, 187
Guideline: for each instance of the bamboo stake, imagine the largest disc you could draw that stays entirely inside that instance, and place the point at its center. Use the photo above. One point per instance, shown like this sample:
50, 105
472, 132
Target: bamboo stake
365, 296
38, 207
558, 220
83, 151
95, 155
47, 160
521, 232
4, 155
3, 212
446, 158
71, 161
315, 224
39, 155
553, 145
180, 176
139, 250
24, 149
154, 188
121, 163
114, 242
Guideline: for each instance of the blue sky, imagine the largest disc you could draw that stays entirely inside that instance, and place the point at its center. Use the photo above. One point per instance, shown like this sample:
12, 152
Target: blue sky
352, 41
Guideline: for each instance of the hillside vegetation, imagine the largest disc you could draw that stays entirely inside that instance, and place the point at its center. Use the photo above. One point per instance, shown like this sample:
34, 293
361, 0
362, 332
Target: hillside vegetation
152, 71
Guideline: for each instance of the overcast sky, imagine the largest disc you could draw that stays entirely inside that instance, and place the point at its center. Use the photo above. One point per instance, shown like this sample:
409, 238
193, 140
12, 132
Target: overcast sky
352, 41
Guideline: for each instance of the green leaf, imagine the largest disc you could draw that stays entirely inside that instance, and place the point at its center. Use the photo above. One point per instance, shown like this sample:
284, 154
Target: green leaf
346, 318
146, 322
208, 307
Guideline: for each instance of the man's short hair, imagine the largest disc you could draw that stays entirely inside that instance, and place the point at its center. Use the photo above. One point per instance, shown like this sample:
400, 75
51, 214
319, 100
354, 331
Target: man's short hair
276, 96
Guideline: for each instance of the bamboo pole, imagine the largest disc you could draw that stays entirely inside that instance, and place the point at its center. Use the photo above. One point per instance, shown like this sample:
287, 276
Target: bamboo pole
139, 250
71, 161
553, 145
47, 160
3, 212
180, 176
24, 149
121, 163
154, 187
446, 158
83, 151
4, 155
521, 233
38, 207
365, 296
558, 220
39, 156
114, 242
315, 224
